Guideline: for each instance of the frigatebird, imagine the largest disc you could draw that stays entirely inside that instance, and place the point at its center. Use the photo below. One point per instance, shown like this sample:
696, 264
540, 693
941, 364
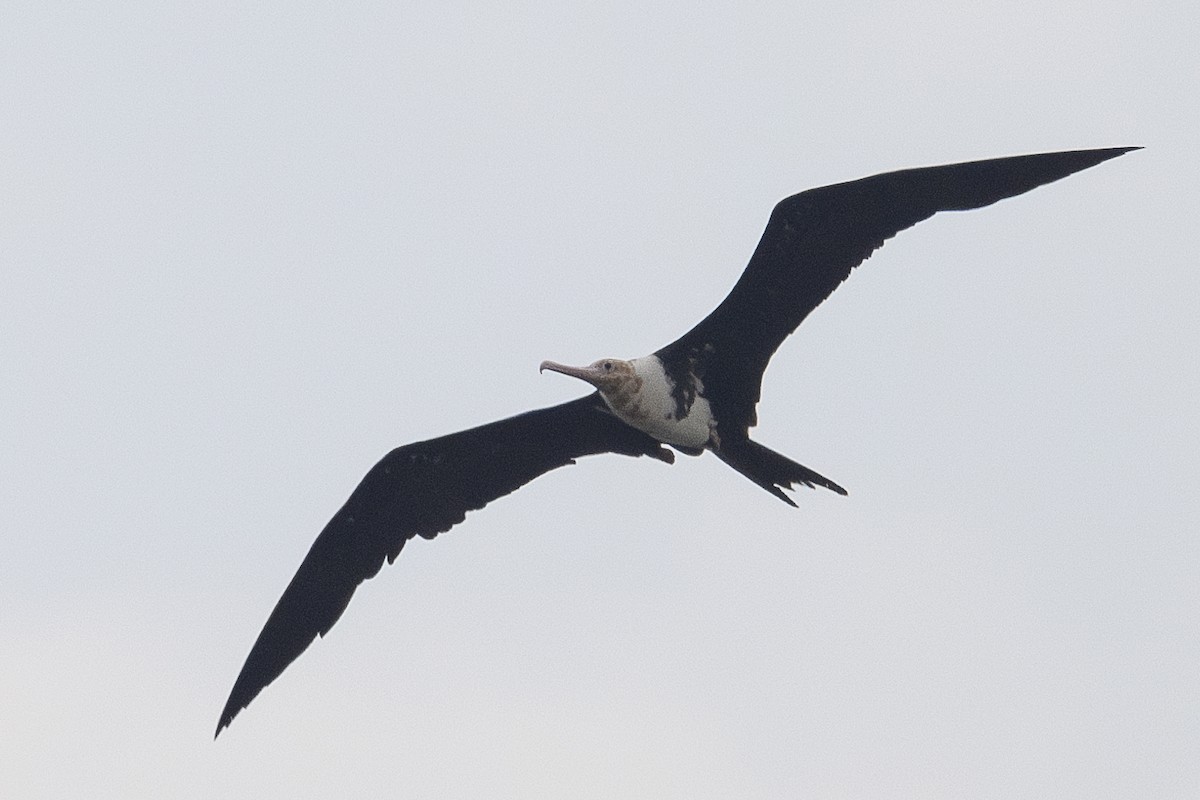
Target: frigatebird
697, 393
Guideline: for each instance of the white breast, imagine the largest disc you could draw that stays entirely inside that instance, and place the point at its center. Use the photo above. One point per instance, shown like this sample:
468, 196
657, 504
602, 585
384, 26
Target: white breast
652, 409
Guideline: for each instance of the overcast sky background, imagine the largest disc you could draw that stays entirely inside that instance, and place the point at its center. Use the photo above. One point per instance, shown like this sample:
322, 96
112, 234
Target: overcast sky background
247, 249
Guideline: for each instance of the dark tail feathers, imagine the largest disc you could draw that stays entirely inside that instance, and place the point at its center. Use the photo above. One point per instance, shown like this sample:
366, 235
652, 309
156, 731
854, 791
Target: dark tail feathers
770, 470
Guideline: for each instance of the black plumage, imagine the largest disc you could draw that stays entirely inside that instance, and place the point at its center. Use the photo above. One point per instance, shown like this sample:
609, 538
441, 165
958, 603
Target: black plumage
811, 244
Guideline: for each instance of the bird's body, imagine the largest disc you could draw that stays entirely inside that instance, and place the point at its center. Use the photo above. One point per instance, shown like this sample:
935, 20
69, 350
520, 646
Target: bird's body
698, 393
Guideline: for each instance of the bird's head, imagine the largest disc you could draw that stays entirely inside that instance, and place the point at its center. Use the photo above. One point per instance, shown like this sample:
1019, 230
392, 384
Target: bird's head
612, 376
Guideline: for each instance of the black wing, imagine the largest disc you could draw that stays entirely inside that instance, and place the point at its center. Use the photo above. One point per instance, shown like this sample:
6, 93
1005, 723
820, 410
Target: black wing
812, 242
422, 489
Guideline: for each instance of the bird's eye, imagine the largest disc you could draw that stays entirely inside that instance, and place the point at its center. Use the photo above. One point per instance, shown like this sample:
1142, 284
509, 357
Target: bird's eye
608, 366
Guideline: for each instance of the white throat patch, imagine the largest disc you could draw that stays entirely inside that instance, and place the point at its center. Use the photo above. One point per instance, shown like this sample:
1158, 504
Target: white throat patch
652, 409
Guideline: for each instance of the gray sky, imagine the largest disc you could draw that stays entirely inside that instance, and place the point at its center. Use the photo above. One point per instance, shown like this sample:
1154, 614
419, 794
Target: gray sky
247, 250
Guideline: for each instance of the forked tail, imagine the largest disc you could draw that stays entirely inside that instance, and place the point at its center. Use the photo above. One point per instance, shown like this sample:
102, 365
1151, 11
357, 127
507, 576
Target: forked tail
770, 470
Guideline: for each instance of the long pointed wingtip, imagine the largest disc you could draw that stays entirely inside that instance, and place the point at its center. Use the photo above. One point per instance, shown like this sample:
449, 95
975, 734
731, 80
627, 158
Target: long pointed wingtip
232, 709
223, 723
1092, 157
1113, 152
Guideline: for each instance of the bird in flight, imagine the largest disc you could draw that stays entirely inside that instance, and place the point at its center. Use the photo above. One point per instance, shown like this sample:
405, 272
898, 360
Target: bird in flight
698, 393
